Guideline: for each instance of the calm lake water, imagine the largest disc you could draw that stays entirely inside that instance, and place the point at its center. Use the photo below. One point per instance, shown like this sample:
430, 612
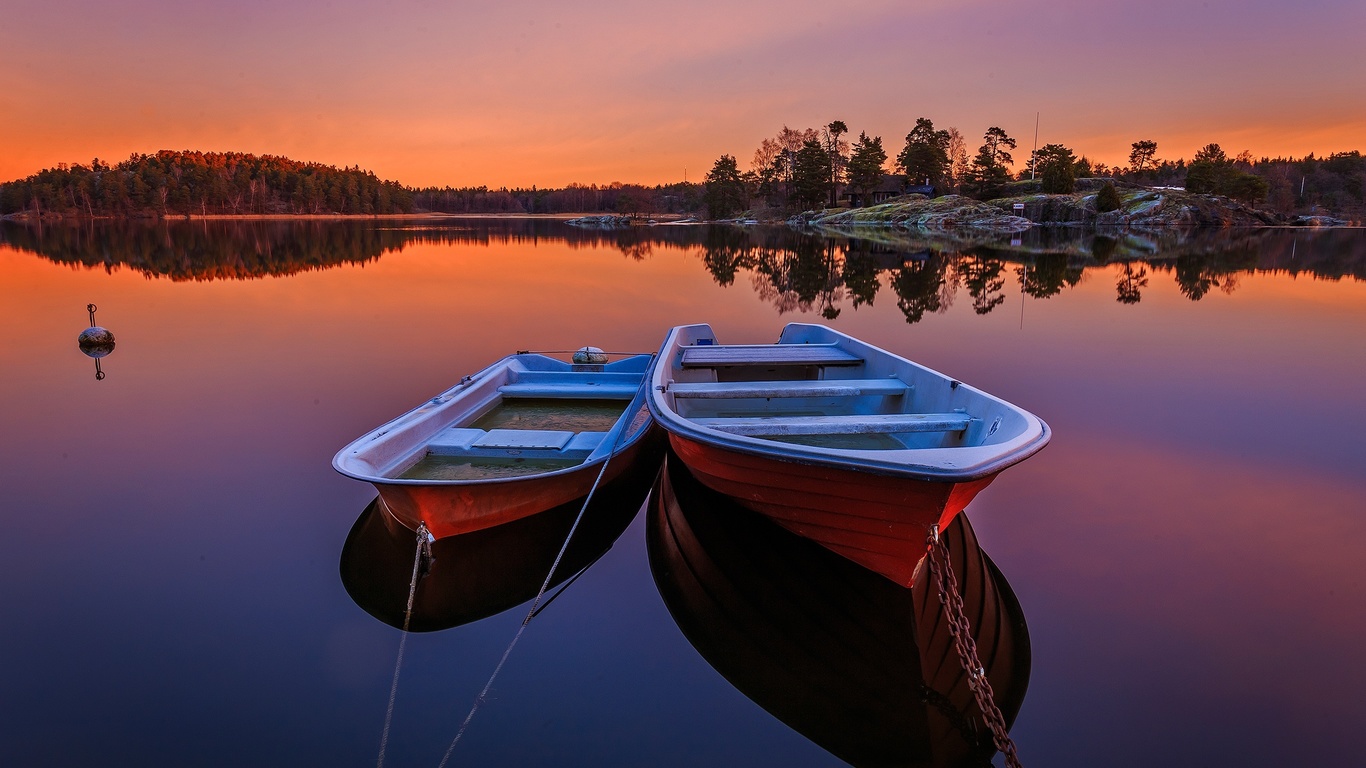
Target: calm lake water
1187, 552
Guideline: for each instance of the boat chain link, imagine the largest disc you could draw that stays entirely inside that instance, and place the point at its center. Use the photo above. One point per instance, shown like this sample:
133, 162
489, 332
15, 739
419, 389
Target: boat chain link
946, 584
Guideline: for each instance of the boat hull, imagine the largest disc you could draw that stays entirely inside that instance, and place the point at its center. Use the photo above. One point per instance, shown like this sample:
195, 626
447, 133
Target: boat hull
861, 667
456, 508
878, 521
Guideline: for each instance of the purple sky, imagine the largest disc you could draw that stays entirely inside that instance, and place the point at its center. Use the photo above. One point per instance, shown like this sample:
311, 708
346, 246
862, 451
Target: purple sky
532, 92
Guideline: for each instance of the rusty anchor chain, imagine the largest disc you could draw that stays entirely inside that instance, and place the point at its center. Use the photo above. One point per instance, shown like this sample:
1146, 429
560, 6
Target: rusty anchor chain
946, 584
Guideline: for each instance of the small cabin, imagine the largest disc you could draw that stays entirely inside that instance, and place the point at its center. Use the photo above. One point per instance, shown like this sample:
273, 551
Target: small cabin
892, 185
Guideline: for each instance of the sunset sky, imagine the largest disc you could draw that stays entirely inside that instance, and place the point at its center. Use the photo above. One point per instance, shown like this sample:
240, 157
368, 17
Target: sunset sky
526, 92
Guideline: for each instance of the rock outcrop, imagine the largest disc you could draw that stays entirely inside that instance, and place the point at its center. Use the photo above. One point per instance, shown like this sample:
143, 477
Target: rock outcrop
601, 222
920, 212
1142, 207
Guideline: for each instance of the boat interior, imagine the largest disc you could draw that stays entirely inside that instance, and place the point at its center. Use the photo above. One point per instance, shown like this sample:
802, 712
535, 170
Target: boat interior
810, 390
530, 414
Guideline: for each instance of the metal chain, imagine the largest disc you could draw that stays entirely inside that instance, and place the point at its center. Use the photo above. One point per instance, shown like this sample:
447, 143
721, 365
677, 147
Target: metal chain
946, 584
960, 722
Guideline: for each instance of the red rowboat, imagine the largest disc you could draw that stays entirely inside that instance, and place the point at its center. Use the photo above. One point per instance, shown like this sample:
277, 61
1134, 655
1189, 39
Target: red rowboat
524, 435
839, 441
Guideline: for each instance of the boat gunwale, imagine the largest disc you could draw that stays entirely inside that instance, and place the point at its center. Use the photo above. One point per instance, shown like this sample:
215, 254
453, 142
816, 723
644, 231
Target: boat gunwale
906, 463
628, 415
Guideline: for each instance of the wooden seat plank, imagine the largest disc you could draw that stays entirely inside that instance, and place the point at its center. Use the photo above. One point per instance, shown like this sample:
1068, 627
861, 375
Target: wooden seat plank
571, 391
819, 388
544, 439
882, 423
718, 355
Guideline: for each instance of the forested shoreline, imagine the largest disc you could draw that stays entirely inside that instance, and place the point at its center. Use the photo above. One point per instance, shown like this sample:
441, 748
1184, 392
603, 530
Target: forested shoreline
179, 183
170, 184
795, 171
816, 168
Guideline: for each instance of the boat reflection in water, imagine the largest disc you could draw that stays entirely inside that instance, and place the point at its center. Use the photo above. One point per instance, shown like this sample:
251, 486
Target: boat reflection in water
476, 575
861, 666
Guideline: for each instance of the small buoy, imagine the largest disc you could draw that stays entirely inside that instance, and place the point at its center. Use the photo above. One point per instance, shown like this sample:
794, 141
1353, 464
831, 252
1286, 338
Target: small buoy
95, 341
590, 356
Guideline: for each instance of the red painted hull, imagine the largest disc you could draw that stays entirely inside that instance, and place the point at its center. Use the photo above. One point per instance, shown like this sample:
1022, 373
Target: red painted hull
879, 521
453, 509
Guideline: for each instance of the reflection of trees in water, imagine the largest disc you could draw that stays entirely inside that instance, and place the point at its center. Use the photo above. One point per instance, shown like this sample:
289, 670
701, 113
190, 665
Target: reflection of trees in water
794, 274
803, 273
983, 279
1047, 274
207, 250
1131, 282
234, 249
792, 270
726, 250
1196, 272
919, 287
860, 275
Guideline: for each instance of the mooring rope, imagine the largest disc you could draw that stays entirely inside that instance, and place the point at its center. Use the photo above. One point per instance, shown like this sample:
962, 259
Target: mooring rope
572, 351
424, 547
545, 585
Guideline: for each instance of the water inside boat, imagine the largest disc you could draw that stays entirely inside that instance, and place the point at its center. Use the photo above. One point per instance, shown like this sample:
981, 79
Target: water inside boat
436, 467
554, 414
563, 415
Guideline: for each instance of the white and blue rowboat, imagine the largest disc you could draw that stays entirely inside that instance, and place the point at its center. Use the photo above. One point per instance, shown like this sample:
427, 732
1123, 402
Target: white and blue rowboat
524, 435
835, 439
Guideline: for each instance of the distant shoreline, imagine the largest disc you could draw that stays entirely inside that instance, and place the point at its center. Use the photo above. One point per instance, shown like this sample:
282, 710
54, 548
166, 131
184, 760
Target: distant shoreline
320, 216
946, 213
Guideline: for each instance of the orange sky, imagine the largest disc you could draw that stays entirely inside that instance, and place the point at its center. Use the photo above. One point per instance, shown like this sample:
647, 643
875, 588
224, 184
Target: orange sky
533, 92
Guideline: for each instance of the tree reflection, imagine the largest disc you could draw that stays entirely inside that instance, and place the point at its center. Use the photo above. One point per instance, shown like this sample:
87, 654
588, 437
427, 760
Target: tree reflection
860, 274
802, 272
1131, 282
794, 270
726, 250
1048, 274
985, 283
918, 286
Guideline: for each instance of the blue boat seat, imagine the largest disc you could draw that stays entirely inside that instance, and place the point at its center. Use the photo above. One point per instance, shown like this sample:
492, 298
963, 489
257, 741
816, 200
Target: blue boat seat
585, 441
521, 439
593, 385
726, 355
453, 439
527, 443
882, 423
821, 388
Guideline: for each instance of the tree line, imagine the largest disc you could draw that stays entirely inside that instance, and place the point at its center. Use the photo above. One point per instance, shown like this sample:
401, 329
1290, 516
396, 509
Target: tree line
793, 171
233, 183
625, 199
203, 183
807, 169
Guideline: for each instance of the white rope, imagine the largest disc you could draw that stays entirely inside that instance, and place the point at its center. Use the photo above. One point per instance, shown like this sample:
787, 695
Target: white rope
483, 694
423, 544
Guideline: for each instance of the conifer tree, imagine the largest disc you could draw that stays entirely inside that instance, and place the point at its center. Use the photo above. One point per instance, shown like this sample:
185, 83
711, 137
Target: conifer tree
925, 158
725, 191
865, 166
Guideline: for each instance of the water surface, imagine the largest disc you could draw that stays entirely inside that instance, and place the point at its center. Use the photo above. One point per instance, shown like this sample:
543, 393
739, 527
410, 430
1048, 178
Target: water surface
1187, 550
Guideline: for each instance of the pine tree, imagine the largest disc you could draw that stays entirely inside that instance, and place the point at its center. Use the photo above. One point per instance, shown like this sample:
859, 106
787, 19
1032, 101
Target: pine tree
1056, 166
865, 166
925, 158
810, 175
725, 193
